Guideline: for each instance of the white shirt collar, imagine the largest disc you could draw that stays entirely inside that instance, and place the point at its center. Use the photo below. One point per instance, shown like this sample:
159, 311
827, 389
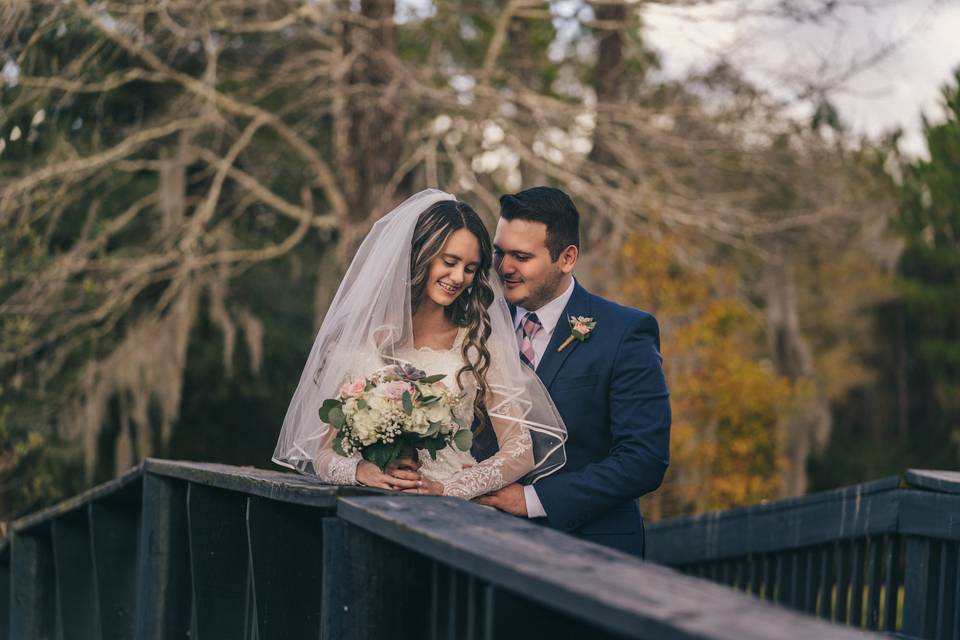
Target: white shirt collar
549, 314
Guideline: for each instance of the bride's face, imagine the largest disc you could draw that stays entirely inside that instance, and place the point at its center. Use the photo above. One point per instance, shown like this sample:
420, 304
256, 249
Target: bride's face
453, 270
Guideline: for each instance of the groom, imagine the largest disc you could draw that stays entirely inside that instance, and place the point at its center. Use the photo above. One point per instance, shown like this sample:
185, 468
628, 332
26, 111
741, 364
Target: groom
603, 374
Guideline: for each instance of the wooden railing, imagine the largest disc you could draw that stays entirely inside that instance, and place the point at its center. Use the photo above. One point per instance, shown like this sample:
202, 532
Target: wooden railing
201, 551
881, 555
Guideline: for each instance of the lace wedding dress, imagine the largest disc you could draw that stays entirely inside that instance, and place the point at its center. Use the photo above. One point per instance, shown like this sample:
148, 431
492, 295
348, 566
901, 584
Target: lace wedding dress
462, 476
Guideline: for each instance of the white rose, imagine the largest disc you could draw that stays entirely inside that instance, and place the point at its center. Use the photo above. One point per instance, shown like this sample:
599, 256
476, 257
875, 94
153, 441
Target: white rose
350, 407
365, 427
419, 423
437, 412
378, 403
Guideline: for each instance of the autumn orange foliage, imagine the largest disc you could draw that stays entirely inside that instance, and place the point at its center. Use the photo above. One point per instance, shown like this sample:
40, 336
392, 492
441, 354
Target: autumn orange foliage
725, 396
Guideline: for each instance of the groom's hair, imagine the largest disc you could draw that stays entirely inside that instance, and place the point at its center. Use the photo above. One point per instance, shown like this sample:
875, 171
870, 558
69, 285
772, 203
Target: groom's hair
550, 206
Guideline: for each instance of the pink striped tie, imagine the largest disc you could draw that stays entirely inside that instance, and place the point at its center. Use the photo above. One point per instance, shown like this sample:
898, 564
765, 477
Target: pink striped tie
528, 328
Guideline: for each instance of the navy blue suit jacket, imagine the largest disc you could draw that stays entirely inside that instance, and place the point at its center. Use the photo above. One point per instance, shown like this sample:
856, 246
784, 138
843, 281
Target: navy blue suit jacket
612, 395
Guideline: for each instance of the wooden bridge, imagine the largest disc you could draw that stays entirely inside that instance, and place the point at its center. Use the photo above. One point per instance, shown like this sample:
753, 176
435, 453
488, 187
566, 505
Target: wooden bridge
881, 555
186, 550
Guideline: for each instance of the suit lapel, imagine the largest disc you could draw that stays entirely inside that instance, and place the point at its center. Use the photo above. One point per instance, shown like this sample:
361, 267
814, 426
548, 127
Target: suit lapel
552, 360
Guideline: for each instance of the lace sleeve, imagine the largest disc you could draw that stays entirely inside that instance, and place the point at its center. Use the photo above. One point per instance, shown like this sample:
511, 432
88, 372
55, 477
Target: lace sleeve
512, 462
333, 468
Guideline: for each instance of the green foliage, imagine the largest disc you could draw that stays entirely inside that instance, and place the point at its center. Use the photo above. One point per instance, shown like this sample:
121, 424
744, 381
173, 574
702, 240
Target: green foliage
929, 222
463, 439
328, 405
382, 453
31, 474
910, 415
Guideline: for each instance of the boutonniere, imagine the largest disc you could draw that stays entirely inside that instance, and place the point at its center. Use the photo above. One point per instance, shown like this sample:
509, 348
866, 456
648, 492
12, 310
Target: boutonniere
581, 327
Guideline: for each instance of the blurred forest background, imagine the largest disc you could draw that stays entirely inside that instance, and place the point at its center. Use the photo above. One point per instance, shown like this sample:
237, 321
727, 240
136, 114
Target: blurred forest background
182, 184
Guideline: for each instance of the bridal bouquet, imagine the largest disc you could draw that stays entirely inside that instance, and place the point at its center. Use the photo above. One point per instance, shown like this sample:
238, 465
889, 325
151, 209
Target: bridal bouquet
396, 407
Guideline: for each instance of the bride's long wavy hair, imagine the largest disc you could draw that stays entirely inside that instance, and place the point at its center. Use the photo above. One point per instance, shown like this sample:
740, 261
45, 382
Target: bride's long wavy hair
469, 310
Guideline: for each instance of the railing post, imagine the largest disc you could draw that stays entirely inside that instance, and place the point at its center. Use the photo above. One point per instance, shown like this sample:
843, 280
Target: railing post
163, 605
219, 560
33, 608
114, 534
5, 590
286, 564
73, 562
918, 585
372, 589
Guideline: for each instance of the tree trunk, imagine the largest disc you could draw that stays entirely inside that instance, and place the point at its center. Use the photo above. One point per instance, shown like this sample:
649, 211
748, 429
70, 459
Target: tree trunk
608, 74
808, 426
368, 121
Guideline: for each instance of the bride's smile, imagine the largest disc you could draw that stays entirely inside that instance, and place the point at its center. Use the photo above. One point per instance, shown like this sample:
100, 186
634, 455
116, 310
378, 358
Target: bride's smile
453, 270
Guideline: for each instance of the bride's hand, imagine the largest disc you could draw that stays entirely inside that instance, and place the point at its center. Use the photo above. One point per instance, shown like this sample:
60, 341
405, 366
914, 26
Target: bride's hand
369, 475
427, 488
408, 464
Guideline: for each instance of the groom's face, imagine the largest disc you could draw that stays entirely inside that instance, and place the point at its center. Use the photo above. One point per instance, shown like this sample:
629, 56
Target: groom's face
520, 255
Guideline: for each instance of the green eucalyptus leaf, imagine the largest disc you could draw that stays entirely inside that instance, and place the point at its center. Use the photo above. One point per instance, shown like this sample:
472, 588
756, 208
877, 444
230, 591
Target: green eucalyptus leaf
407, 403
463, 439
432, 379
326, 407
337, 419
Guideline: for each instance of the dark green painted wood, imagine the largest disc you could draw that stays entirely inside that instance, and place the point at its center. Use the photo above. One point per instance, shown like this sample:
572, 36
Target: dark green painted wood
286, 543
163, 600
4, 590
874, 580
33, 587
944, 481
514, 616
493, 569
608, 590
892, 580
768, 577
276, 485
841, 567
930, 514
919, 586
115, 535
372, 588
131, 476
946, 589
73, 564
858, 583
955, 633
250, 606
808, 581
792, 524
825, 595
218, 560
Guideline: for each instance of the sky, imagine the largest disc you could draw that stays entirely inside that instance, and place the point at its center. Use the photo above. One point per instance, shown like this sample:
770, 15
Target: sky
904, 51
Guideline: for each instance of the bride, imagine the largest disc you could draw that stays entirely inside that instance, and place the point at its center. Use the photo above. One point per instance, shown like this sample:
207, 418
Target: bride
419, 292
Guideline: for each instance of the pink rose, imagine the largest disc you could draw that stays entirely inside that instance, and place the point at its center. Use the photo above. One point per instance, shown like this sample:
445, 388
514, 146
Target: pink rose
395, 390
581, 328
353, 389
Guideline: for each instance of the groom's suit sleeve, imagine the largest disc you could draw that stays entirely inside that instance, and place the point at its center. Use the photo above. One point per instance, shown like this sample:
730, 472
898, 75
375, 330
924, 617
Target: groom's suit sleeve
640, 430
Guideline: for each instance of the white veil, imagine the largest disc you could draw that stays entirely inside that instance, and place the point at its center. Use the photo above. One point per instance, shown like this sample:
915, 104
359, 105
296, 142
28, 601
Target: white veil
370, 318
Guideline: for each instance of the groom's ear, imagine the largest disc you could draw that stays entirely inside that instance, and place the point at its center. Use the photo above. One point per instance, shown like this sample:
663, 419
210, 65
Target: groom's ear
568, 258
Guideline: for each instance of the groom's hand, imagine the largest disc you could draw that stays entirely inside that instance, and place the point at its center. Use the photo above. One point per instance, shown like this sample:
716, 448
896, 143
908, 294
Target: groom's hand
509, 499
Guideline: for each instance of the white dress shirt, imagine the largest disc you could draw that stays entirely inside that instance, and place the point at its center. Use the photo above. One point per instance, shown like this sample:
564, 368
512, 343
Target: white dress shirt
548, 315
